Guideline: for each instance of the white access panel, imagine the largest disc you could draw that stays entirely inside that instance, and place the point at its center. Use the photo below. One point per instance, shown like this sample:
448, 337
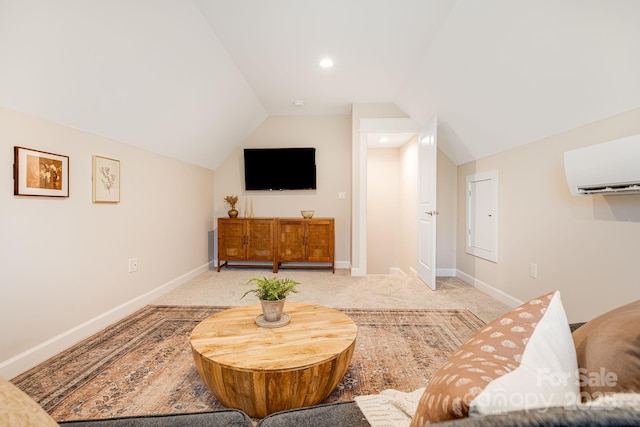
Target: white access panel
482, 215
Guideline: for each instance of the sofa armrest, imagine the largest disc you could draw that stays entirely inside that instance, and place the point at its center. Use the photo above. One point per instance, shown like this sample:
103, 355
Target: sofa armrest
347, 414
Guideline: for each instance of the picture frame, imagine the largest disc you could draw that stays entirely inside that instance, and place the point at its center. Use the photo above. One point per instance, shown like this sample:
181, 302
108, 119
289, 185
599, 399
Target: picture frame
106, 180
39, 173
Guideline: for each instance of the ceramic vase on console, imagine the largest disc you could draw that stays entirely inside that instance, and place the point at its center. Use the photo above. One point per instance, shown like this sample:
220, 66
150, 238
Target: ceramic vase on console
232, 200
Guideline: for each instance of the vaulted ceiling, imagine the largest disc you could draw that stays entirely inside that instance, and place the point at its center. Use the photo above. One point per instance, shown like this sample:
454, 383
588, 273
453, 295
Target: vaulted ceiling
191, 79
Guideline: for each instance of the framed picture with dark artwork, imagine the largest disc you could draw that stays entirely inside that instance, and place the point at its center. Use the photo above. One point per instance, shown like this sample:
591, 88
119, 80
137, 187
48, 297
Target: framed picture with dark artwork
106, 180
38, 173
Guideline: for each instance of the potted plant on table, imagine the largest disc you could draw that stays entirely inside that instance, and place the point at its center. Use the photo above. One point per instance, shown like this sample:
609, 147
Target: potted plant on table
272, 293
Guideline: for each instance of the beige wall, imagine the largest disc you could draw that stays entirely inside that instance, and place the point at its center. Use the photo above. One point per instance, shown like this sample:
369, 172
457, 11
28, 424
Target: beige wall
586, 247
64, 261
330, 135
383, 210
447, 206
408, 217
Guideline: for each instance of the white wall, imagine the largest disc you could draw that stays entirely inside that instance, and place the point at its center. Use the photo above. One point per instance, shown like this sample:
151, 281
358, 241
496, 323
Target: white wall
383, 210
330, 135
64, 261
586, 247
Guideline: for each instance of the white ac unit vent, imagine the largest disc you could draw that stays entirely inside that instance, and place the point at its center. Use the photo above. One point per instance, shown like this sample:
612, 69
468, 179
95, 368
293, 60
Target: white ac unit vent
611, 167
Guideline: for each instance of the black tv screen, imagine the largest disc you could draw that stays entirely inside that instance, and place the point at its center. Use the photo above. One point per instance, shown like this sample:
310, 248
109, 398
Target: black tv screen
280, 168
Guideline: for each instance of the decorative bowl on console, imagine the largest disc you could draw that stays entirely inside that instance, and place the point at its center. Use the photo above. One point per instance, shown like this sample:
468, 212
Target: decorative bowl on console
307, 214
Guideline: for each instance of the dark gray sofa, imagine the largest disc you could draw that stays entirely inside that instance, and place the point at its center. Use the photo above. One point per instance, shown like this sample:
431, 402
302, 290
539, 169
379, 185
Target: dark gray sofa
221, 418
347, 414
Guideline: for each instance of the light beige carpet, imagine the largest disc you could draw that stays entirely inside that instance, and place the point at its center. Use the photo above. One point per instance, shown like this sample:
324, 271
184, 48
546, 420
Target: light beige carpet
339, 290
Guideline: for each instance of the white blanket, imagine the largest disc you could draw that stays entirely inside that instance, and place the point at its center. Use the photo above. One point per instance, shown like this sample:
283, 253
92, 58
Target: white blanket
393, 408
616, 400
390, 408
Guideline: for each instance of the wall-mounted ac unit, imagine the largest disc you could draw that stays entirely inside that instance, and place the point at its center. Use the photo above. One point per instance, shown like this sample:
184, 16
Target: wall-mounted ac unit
611, 167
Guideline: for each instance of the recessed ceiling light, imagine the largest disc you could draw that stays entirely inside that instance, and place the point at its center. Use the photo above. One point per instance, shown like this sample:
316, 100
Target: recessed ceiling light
384, 139
326, 63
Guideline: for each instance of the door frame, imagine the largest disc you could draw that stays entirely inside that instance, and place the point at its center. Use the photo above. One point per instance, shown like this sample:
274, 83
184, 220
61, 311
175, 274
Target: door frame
359, 200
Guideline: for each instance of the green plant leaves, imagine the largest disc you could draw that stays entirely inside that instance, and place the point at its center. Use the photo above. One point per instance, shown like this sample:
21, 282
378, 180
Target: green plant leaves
271, 289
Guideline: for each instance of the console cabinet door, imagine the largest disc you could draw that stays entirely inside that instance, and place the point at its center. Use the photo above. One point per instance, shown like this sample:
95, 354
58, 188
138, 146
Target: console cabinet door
319, 240
231, 239
305, 240
260, 241
291, 241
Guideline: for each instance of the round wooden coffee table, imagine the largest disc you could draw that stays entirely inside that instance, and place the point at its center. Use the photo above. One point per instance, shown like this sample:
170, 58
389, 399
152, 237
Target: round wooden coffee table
264, 370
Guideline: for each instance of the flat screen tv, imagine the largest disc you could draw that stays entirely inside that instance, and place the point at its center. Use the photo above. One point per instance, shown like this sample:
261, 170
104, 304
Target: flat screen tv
280, 168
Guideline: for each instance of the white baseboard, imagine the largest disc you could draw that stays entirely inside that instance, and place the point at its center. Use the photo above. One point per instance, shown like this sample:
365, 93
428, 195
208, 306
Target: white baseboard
28, 359
440, 272
342, 264
446, 272
358, 272
489, 290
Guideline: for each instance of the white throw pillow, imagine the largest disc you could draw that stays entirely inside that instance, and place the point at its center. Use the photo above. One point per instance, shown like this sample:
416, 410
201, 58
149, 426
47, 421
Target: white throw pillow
524, 359
546, 376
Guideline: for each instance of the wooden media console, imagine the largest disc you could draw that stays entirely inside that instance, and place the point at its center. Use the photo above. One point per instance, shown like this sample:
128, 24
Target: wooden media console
281, 242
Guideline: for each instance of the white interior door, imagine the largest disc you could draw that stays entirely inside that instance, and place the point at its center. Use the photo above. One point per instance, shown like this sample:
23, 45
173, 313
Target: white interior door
427, 210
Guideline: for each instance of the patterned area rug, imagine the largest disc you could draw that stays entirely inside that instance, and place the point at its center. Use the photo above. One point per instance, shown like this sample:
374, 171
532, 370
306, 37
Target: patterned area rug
143, 364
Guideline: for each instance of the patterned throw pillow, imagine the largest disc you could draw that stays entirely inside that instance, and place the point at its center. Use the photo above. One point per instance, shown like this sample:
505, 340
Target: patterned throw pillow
525, 359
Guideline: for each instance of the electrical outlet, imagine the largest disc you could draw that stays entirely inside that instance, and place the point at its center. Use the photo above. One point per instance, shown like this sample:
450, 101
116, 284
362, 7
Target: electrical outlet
133, 265
342, 195
534, 270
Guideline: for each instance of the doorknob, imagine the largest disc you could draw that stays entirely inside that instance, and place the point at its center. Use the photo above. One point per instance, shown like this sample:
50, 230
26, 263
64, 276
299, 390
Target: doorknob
432, 212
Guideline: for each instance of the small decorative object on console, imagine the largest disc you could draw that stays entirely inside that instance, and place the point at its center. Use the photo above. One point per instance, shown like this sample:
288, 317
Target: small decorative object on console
232, 200
307, 214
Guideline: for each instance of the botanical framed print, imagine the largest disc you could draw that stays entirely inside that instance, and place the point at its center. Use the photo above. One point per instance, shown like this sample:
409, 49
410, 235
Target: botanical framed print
106, 180
38, 173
